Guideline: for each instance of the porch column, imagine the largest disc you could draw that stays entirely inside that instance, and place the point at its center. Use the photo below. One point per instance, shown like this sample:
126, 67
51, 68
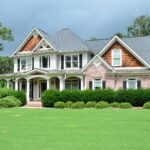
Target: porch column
81, 82
16, 84
7, 84
61, 84
48, 82
28, 90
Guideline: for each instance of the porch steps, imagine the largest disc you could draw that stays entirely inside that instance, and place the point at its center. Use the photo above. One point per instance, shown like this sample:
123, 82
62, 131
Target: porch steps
34, 104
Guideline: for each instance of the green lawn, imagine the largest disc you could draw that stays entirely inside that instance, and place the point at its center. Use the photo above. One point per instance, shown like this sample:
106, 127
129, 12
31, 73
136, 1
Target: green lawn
69, 129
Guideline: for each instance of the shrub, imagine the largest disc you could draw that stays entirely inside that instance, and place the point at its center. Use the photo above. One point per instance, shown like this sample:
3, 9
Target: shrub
68, 104
6, 92
146, 105
115, 105
78, 105
90, 104
21, 96
73, 95
9, 101
49, 97
125, 105
59, 104
102, 104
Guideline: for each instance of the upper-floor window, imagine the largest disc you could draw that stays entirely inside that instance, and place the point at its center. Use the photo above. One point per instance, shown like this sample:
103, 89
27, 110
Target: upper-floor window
97, 84
45, 61
131, 83
71, 61
116, 57
26, 64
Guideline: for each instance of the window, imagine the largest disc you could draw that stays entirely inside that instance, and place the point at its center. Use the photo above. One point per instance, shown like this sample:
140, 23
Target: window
97, 84
116, 57
71, 61
44, 61
26, 64
72, 84
23, 64
131, 83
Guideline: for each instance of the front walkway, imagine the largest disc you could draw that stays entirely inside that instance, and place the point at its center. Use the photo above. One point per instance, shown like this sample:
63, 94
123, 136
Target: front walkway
35, 104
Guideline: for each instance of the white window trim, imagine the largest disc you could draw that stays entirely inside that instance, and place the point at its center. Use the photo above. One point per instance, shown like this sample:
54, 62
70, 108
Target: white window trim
93, 83
128, 82
112, 54
49, 59
26, 64
71, 61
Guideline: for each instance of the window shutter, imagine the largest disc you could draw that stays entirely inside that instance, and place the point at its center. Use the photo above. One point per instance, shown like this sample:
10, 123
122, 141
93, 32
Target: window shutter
32, 63
103, 84
124, 85
138, 84
80, 60
80, 84
90, 84
40, 61
62, 61
18, 64
49, 61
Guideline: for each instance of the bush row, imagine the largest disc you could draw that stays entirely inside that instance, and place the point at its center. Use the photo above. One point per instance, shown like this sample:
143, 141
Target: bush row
98, 105
135, 97
11, 98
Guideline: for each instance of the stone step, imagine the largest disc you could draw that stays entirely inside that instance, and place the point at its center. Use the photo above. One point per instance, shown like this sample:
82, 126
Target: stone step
34, 104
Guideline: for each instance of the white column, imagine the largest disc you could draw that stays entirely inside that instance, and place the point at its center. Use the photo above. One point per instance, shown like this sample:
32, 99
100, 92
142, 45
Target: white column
61, 86
28, 90
81, 82
48, 86
7, 83
16, 84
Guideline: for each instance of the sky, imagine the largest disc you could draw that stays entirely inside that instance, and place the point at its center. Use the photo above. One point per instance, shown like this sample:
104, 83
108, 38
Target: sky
87, 18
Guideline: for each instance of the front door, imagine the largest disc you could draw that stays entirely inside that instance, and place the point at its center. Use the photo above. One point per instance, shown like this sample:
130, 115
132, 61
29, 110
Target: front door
42, 88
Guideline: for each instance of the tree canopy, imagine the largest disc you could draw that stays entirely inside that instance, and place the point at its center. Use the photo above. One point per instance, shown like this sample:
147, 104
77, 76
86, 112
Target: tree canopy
5, 35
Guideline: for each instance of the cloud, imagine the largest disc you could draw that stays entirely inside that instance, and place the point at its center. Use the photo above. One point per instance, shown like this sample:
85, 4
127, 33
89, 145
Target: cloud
87, 18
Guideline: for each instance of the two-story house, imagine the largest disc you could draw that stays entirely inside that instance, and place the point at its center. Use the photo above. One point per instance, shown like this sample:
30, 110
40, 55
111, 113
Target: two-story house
64, 61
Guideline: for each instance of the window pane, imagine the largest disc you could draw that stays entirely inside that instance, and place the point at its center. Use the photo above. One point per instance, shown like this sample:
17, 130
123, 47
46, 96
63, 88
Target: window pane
97, 84
68, 58
29, 64
68, 85
116, 61
75, 85
44, 61
132, 84
75, 64
75, 58
116, 54
68, 64
23, 64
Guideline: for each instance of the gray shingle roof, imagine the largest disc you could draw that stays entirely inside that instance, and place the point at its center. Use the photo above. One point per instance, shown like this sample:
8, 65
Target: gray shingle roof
65, 40
140, 45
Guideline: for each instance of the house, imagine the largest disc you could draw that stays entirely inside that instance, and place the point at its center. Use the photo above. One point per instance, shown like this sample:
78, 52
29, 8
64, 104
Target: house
64, 61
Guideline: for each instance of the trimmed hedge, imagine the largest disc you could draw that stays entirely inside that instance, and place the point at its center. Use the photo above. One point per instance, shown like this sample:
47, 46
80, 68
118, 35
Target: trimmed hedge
115, 105
102, 104
59, 105
90, 104
125, 105
78, 105
135, 97
9, 101
146, 105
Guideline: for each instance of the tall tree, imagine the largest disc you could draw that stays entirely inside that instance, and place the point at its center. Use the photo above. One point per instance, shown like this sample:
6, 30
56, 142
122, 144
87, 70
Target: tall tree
5, 35
140, 27
6, 65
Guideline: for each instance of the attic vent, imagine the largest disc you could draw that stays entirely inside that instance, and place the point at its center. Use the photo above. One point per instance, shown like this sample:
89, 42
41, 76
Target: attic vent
44, 46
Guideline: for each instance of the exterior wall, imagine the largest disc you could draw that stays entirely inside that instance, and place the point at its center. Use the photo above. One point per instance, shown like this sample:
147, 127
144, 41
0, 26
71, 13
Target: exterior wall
32, 42
98, 72
15, 65
128, 60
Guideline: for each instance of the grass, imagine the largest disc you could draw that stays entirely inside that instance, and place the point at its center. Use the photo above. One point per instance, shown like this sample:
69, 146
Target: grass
72, 129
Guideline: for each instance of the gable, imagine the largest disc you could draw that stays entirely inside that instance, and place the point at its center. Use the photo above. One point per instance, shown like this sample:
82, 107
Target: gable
31, 43
128, 60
